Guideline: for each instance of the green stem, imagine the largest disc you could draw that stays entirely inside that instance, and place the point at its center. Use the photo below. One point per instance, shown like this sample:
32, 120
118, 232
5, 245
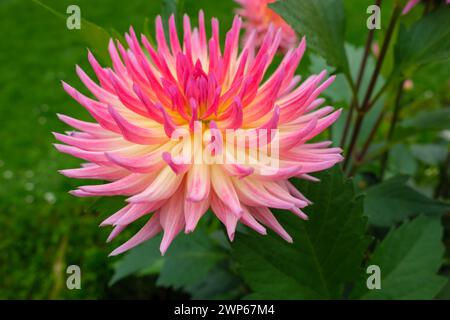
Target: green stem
360, 158
371, 135
394, 121
389, 33
353, 106
356, 130
365, 107
362, 68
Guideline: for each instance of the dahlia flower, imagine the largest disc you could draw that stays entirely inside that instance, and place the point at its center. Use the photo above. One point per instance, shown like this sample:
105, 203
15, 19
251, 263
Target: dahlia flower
164, 113
257, 19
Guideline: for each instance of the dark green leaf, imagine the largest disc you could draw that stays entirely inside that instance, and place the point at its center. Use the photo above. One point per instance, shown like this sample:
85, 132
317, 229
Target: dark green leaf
409, 258
189, 260
218, 284
432, 154
428, 40
402, 161
322, 22
429, 120
393, 201
137, 259
188, 263
319, 262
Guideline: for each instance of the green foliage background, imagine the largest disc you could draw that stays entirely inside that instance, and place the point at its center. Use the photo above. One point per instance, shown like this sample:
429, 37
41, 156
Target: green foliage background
43, 229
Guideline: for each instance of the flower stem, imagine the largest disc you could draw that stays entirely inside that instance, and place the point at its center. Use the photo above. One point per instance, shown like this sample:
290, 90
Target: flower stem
365, 107
356, 130
390, 31
362, 67
397, 108
371, 136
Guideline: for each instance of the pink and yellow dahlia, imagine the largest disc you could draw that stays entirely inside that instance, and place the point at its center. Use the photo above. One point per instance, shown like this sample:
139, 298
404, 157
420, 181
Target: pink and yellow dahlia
164, 114
258, 18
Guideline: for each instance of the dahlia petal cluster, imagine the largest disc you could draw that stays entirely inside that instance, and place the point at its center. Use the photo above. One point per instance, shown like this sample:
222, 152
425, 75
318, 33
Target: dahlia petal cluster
258, 17
153, 91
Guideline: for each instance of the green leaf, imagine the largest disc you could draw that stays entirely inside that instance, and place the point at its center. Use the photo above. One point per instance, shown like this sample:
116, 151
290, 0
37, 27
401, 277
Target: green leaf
432, 154
322, 22
189, 260
393, 201
409, 259
220, 284
96, 37
428, 40
140, 258
318, 263
429, 120
402, 161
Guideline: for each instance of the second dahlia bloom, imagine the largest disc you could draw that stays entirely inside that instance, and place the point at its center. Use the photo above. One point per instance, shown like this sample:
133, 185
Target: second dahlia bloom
159, 102
258, 18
